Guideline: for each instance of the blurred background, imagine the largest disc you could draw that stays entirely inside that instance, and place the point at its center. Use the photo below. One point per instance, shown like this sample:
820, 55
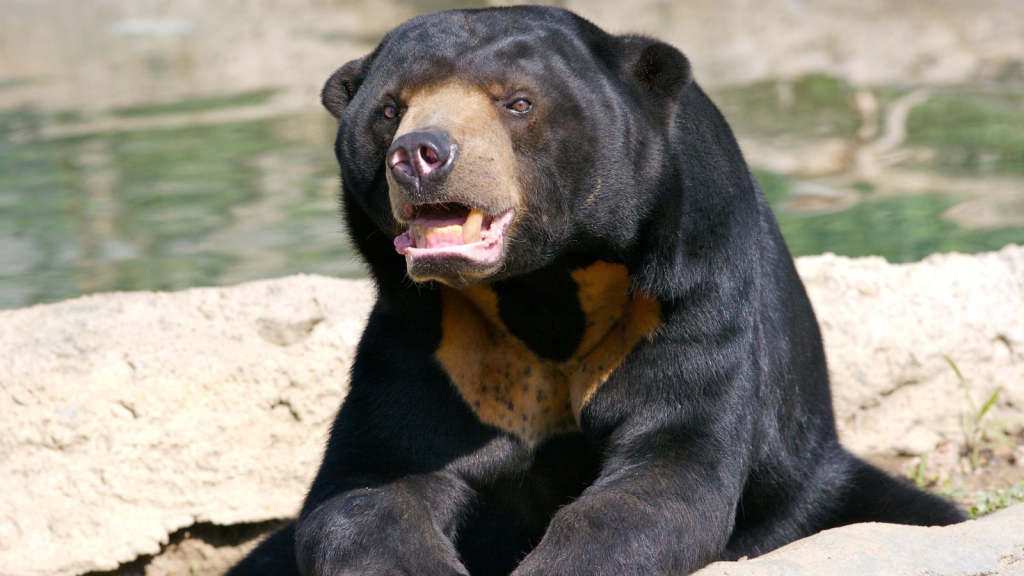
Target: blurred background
162, 144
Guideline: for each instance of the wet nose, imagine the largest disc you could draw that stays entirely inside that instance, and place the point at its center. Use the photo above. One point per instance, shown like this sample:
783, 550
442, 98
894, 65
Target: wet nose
420, 157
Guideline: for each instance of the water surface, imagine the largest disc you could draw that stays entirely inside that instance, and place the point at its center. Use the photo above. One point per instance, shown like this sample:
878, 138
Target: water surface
158, 147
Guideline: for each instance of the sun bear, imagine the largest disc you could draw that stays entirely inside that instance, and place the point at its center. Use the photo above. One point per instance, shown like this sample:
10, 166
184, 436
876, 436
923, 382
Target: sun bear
590, 352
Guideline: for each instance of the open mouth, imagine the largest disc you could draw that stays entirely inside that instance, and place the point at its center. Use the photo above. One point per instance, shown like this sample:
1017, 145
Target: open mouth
445, 231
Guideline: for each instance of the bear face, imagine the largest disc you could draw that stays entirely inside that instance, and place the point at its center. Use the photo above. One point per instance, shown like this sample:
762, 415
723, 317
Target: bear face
485, 154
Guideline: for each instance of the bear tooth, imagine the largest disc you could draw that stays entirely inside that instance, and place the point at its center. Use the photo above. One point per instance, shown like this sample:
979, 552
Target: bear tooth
471, 228
419, 236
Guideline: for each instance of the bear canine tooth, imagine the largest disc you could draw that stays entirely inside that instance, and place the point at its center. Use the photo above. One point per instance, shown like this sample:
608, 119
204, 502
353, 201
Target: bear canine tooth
419, 236
471, 228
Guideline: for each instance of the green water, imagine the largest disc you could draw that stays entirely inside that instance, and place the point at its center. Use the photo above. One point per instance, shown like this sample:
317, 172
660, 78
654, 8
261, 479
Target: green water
901, 229
170, 208
972, 135
166, 209
818, 106
975, 134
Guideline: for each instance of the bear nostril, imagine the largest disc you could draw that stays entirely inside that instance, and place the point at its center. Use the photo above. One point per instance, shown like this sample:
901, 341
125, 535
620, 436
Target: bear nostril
398, 157
405, 168
400, 161
430, 160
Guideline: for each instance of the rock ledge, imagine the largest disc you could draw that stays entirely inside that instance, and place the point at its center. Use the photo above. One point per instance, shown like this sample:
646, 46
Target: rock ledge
988, 546
125, 417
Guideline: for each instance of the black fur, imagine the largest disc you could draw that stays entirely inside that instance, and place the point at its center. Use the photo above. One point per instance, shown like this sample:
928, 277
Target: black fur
714, 439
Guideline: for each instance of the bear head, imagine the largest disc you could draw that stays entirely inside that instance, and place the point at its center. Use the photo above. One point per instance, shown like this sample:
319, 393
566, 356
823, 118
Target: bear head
488, 143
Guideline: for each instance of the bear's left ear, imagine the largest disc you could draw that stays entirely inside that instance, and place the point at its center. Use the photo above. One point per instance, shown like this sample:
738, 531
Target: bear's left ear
341, 87
657, 66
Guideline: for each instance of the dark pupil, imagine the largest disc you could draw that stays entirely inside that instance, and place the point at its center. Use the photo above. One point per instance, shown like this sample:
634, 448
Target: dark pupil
389, 111
521, 105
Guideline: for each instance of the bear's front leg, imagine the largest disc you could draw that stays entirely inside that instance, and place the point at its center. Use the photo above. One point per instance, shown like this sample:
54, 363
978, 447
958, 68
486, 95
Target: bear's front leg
402, 527
386, 499
663, 506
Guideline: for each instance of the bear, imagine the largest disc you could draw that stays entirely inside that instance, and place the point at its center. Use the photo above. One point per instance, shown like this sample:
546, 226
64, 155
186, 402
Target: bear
590, 352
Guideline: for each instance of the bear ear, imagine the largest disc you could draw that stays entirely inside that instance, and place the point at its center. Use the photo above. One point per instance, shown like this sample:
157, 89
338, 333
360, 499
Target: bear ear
341, 87
657, 66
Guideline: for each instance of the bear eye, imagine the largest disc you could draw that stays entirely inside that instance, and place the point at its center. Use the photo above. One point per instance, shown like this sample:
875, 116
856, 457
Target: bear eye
520, 106
390, 112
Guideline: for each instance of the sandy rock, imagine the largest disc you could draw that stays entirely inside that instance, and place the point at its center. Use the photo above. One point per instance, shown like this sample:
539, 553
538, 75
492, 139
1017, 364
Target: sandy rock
126, 417
989, 546
888, 330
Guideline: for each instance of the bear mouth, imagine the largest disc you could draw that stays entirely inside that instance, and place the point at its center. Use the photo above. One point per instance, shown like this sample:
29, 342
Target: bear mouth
453, 231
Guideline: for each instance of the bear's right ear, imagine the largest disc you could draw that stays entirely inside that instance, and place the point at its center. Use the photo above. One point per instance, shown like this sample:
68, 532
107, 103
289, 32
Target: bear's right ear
658, 67
341, 87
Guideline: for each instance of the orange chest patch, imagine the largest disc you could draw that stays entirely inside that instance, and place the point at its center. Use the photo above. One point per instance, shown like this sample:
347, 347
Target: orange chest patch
508, 386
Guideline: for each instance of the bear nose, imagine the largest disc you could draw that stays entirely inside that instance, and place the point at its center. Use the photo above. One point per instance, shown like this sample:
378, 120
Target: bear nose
420, 157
